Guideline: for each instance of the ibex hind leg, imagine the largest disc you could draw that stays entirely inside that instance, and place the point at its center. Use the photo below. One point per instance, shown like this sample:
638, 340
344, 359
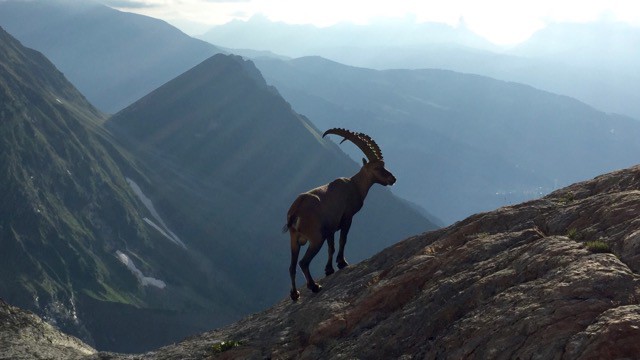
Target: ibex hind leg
328, 270
314, 247
340, 260
295, 250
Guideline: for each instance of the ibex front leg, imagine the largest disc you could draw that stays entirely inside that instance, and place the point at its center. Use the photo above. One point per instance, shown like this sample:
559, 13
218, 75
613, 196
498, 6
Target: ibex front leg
344, 231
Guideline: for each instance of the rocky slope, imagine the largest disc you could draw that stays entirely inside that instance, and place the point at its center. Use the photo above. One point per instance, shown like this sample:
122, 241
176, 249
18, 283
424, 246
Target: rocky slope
525, 281
24, 335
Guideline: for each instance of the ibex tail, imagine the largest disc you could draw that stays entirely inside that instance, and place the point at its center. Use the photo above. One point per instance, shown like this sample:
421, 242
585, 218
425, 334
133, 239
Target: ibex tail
292, 217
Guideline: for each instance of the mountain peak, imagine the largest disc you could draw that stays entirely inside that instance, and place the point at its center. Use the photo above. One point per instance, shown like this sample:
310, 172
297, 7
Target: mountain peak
235, 63
34, 73
193, 104
86, 40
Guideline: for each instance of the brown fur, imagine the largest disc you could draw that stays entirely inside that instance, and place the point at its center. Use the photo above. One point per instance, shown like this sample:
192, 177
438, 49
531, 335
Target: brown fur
317, 214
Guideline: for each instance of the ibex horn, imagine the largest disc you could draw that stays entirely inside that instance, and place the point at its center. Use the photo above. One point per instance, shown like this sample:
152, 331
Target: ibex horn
369, 147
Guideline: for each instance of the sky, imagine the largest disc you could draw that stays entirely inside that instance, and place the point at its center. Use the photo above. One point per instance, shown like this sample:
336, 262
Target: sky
503, 22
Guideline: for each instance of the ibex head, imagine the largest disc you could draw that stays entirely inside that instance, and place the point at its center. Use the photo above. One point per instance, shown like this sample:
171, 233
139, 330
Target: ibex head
374, 168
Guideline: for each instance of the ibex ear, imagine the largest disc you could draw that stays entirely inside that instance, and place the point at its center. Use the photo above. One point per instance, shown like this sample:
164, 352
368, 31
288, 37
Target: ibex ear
364, 161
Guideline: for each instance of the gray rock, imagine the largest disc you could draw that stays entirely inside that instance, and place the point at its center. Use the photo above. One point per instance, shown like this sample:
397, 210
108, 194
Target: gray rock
24, 335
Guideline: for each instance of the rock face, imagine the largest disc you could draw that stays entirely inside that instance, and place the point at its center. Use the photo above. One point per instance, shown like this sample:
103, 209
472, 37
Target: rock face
23, 335
554, 278
523, 281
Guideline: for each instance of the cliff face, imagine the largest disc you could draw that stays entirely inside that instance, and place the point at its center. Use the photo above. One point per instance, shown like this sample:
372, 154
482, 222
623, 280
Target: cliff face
554, 278
523, 281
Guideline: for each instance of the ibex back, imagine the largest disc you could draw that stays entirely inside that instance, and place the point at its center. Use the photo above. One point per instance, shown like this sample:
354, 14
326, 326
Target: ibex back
317, 214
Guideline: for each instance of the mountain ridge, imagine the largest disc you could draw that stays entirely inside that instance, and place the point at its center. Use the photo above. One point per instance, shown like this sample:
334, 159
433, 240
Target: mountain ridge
80, 37
66, 204
474, 129
259, 33
235, 124
563, 58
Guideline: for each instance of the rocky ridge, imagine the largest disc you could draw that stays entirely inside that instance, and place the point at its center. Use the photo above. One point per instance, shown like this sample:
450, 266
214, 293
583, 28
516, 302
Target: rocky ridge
24, 335
522, 281
553, 278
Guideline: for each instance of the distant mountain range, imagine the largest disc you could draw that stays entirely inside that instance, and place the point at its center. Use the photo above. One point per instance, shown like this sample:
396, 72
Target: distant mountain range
167, 221
595, 63
483, 173
259, 33
598, 45
112, 57
461, 143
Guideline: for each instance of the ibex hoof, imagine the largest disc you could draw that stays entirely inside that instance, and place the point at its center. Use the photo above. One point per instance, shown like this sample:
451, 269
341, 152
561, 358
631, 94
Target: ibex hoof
314, 287
328, 271
342, 264
295, 295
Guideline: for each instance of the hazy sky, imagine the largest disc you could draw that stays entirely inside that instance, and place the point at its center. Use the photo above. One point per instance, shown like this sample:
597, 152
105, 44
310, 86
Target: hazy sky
501, 21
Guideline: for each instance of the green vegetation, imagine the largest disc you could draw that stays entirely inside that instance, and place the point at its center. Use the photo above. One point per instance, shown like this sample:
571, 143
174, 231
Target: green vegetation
224, 346
597, 246
567, 198
573, 234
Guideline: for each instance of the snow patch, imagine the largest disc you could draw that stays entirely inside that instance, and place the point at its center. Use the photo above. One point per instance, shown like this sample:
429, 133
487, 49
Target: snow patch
155, 226
162, 228
144, 280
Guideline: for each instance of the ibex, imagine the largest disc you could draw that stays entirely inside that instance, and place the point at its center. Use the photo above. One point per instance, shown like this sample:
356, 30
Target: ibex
317, 214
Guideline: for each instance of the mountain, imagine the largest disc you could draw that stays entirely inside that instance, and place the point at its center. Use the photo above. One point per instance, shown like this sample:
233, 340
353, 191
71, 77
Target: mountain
115, 247
584, 44
552, 278
82, 244
112, 57
236, 156
603, 85
463, 143
562, 58
259, 33
70, 221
